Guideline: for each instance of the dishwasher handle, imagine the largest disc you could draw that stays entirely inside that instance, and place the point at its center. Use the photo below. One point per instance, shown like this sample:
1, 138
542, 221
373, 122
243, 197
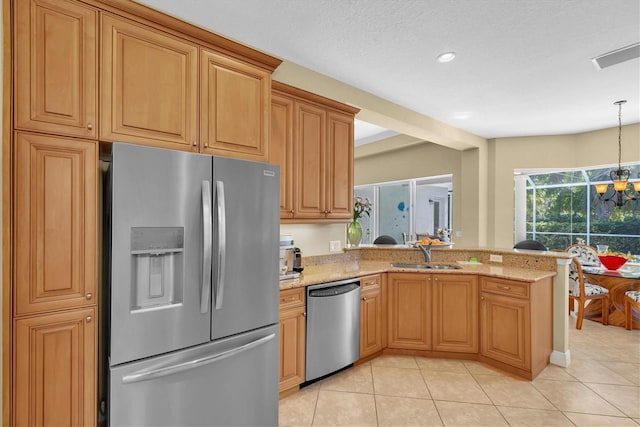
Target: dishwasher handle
332, 291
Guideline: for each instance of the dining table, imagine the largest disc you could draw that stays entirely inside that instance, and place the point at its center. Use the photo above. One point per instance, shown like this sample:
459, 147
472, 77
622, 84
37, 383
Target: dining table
619, 281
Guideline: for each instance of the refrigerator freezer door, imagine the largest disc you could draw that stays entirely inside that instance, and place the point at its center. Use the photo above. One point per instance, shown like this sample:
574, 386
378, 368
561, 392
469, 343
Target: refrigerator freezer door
245, 246
230, 382
158, 302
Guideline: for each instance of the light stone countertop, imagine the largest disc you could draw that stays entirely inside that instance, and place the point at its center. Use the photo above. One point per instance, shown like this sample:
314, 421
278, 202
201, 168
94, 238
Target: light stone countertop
330, 272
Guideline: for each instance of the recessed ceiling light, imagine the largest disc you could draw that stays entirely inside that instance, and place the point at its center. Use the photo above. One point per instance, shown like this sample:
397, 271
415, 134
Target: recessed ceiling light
446, 56
461, 115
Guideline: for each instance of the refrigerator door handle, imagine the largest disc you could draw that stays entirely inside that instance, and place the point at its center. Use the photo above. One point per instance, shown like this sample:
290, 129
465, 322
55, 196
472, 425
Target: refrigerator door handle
192, 364
222, 243
205, 295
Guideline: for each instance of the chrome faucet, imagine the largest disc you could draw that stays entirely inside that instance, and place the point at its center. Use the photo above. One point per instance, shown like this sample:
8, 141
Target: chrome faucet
426, 250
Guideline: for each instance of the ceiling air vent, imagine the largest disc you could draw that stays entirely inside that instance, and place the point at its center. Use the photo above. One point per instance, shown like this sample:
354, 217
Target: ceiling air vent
617, 56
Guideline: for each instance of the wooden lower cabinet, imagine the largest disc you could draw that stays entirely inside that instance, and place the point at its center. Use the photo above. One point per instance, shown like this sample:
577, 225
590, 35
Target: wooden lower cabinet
409, 322
505, 330
372, 315
455, 313
516, 323
55, 369
293, 325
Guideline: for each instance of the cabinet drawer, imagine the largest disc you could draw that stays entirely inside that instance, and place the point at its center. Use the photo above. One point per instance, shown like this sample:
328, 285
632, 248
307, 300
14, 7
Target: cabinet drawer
505, 287
290, 298
370, 282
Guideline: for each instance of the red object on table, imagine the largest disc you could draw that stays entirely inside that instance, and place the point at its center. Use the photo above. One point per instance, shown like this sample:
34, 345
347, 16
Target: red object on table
612, 262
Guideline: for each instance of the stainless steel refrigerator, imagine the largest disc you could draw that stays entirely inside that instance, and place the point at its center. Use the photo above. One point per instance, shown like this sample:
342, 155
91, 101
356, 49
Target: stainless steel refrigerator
192, 289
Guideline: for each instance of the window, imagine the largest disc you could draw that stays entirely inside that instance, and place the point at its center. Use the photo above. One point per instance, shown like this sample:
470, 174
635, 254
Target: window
563, 207
415, 207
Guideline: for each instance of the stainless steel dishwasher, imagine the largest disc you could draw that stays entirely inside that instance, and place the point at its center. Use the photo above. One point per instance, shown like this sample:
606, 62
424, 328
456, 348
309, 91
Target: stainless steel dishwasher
333, 327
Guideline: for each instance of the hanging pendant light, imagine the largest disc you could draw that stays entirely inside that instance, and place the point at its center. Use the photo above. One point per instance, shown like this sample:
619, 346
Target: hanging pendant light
619, 177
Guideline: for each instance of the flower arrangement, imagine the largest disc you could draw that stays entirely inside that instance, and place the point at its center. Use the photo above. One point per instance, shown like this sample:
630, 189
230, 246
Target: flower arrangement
361, 207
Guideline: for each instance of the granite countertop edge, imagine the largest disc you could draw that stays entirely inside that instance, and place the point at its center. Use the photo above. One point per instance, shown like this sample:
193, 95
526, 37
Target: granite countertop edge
326, 273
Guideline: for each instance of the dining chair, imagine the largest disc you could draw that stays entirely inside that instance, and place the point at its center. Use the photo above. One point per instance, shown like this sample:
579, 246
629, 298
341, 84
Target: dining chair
581, 290
587, 255
631, 299
532, 245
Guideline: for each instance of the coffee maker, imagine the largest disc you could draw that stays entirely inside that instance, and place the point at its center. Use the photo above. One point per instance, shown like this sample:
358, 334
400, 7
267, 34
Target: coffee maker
290, 259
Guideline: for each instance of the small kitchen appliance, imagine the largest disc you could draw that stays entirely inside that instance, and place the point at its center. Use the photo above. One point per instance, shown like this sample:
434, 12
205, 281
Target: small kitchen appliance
288, 258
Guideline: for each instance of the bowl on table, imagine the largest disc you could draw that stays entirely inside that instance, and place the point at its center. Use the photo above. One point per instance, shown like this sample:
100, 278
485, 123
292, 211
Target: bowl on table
612, 262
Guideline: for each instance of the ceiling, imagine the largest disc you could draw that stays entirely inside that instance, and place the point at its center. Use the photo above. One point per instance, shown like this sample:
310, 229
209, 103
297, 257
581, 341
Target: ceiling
522, 67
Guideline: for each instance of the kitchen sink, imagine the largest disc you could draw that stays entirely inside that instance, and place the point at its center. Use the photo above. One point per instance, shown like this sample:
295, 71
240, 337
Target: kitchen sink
426, 266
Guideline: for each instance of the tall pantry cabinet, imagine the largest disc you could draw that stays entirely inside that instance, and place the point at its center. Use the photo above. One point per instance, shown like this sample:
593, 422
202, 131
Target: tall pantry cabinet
54, 184
85, 73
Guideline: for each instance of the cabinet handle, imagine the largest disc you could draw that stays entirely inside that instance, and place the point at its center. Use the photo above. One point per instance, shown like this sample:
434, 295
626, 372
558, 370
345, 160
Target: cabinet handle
506, 288
89, 296
482, 298
89, 319
89, 126
364, 298
194, 143
206, 145
291, 211
290, 298
304, 314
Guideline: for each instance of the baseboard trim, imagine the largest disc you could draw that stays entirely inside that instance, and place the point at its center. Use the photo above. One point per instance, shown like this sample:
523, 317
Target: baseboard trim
560, 359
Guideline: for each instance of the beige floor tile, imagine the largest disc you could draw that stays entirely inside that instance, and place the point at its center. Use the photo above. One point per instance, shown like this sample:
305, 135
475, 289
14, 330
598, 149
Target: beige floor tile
575, 397
625, 398
299, 408
592, 371
454, 386
629, 371
336, 408
581, 420
445, 365
482, 368
399, 382
393, 361
406, 411
469, 414
533, 417
357, 379
504, 391
553, 372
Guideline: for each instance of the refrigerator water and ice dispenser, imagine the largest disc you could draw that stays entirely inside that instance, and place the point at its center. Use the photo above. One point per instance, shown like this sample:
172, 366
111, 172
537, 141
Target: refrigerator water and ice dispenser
157, 254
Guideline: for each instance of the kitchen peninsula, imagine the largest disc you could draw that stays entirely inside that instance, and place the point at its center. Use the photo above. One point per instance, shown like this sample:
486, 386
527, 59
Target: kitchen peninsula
510, 314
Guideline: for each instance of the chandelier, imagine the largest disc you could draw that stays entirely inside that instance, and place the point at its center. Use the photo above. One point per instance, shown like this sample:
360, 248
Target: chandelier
619, 177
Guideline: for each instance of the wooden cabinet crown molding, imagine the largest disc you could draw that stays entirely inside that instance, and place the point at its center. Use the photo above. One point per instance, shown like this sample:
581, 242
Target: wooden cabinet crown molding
312, 97
167, 23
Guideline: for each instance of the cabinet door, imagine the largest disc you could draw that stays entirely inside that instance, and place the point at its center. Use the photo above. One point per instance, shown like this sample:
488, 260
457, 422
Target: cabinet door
148, 87
339, 169
455, 313
234, 108
310, 140
292, 347
370, 322
409, 311
56, 67
505, 330
281, 149
55, 223
55, 369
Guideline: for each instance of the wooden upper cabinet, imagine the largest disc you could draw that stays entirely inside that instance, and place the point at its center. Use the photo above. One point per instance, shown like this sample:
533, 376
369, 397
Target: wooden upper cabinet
55, 214
55, 59
321, 169
281, 149
309, 149
55, 368
149, 86
234, 107
339, 186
